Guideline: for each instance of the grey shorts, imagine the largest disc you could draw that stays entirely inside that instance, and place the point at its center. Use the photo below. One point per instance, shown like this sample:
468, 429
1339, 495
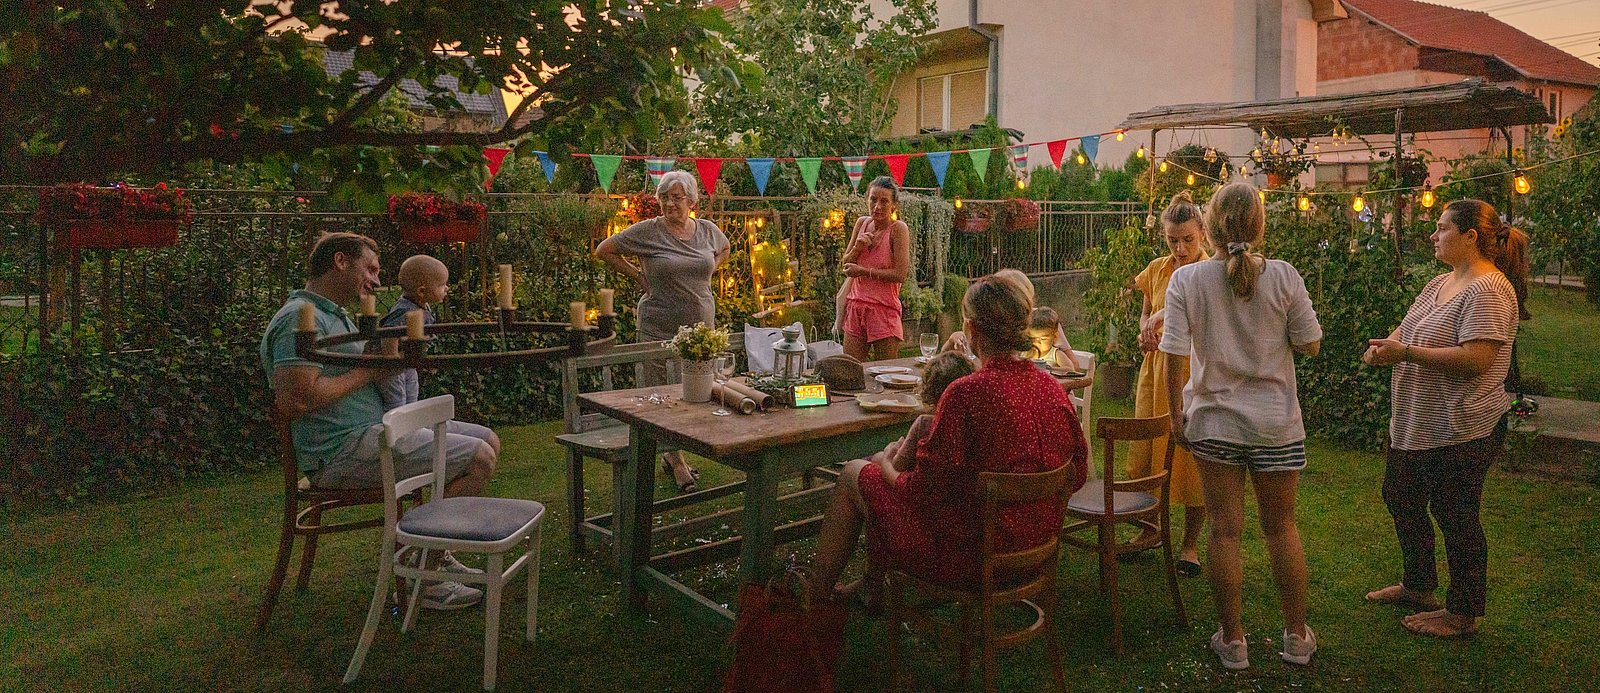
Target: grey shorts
1277, 458
356, 464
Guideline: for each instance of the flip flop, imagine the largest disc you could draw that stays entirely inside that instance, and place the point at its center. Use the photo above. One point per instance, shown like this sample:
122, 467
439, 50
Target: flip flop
1188, 568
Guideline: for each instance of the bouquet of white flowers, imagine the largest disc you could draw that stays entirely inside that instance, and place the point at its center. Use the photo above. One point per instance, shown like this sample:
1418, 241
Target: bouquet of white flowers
699, 343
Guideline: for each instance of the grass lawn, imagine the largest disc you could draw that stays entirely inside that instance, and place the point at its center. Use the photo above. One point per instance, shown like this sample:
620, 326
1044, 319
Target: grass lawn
159, 593
1561, 344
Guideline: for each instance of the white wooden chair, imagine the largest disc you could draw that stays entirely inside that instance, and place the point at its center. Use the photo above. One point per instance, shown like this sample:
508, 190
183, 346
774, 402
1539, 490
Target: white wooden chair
1086, 360
490, 526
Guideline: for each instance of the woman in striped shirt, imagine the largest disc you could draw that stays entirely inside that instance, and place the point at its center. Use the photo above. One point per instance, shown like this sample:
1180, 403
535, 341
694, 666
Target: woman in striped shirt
1450, 355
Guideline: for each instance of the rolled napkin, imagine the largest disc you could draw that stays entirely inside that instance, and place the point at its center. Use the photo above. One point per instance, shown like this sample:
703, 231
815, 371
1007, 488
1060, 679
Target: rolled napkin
763, 400
729, 398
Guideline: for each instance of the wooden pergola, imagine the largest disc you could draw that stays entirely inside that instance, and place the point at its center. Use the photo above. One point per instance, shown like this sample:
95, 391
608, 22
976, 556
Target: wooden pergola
1466, 105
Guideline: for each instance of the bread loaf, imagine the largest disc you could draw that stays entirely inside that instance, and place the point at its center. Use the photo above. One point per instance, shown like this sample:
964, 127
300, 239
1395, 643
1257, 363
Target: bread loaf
842, 372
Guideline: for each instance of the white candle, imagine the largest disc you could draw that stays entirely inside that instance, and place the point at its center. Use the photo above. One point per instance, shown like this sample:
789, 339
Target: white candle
369, 304
578, 309
308, 317
507, 296
606, 301
413, 324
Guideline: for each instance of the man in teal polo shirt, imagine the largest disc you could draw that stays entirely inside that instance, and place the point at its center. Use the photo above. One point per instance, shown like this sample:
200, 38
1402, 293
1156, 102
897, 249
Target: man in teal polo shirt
337, 412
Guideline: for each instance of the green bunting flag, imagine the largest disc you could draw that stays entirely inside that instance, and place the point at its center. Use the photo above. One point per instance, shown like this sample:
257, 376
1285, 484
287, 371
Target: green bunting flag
605, 166
809, 166
980, 162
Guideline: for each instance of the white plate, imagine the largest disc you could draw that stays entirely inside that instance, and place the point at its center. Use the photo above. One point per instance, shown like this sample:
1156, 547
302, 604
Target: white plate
893, 401
923, 359
880, 370
898, 380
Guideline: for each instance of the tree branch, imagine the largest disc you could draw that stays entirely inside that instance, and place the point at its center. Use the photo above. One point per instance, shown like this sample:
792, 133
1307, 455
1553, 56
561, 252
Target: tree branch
372, 95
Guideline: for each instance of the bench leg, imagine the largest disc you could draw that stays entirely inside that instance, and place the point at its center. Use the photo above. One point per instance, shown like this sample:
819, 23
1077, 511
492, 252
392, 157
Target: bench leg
575, 498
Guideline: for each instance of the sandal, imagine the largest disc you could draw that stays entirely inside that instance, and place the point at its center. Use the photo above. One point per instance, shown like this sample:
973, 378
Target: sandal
1189, 568
688, 485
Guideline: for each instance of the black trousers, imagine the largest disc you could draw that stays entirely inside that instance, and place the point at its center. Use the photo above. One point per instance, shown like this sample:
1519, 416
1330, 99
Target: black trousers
1447, 482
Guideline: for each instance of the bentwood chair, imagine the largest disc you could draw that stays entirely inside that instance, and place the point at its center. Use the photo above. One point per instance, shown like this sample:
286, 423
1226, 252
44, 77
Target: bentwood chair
1086, 401
1023, 578
491, 526
1104, 503
303, 508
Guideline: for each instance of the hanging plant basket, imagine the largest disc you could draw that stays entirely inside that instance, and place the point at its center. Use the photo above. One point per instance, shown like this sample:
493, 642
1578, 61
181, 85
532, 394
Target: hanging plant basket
111, 234
968, 221
451, 231
1021, 215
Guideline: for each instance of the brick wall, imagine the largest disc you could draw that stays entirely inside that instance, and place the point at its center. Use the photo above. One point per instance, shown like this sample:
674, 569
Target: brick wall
1356, 47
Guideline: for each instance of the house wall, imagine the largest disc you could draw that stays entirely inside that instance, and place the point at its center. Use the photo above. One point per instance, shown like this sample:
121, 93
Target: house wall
1357, 48
1071, 68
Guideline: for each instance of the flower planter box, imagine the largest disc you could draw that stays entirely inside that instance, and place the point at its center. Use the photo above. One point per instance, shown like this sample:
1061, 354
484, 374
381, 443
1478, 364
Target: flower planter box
1024, 221
972, 224
453, 231
107, 234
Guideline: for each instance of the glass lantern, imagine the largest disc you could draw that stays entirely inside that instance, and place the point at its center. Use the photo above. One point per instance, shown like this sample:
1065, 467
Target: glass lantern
789, 355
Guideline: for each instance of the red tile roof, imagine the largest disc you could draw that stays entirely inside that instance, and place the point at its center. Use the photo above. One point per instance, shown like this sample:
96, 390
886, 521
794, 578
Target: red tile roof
1466, 31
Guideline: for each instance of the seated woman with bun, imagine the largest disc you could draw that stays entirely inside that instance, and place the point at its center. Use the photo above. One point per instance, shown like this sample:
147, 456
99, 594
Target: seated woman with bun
1007, 417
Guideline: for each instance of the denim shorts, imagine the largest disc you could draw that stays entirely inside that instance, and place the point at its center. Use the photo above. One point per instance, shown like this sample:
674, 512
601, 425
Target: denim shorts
356, 464
1256, 458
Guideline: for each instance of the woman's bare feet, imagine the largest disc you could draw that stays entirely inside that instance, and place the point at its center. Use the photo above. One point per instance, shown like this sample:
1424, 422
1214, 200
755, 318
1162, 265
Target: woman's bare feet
1440, 624
683, 475
1400, 596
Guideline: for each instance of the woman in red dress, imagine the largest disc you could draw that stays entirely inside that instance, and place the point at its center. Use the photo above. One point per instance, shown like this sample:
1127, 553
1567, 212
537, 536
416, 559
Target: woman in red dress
1007, 417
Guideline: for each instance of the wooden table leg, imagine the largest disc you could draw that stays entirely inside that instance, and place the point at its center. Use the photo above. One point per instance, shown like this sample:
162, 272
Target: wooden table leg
760, 517
634, 517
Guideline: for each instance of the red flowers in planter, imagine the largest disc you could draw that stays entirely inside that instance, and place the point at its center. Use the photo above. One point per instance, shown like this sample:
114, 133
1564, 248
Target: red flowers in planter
121, 216
1021, 214
429, 218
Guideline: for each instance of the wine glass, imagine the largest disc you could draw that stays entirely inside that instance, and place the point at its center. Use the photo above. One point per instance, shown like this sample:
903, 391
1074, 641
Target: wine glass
723, 366
929, 342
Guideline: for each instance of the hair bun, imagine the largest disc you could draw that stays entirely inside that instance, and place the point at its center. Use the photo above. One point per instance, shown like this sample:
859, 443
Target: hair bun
1182, 196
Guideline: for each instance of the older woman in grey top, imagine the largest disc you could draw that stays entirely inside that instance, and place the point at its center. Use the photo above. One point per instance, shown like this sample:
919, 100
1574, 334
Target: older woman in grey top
677, 255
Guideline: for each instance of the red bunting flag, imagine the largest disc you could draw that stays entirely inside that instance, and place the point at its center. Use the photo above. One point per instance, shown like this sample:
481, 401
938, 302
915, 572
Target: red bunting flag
709, 169
1057, 149
495, 156
897, 166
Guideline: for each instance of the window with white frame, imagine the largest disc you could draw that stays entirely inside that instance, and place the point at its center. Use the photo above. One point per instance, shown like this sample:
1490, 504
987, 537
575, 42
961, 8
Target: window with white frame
952, 101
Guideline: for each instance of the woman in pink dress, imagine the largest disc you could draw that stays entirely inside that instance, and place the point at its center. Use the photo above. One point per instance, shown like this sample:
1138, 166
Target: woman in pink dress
876, 261
1007, 417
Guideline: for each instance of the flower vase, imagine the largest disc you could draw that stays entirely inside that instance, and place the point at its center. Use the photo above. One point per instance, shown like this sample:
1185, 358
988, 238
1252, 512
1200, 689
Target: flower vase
696, 381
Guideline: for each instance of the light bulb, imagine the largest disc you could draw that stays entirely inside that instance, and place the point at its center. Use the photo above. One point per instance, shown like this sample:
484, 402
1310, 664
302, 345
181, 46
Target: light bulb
1427, 196
958, 203
1140, 153
1359, 203
1081, 160
1021, 184
1163, 167
1304, 203
1262, 194
1520, 182
1119, 135
1190, 179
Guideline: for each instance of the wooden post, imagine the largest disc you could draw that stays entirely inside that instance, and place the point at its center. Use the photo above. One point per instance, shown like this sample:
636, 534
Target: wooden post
1397, 219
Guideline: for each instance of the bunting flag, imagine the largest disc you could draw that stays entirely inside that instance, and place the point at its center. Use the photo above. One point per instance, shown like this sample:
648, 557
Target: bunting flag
548, 166
1019, 158
1058, 149
897, 166
940, 161
1091, 146
853, 167
980, 162
809, 168
658, 166
761, 170
495, 156
710, 168
605, 166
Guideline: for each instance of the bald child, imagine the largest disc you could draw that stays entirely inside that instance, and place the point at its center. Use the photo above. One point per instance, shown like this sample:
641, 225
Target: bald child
424, 280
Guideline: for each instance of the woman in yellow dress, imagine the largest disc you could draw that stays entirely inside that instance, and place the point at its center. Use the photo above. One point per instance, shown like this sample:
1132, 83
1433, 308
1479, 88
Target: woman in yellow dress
1182, 229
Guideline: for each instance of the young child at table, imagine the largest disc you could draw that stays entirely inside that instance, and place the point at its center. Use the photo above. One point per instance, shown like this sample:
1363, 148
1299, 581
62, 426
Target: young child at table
957, 342
937, 375
424, 280
1044, 328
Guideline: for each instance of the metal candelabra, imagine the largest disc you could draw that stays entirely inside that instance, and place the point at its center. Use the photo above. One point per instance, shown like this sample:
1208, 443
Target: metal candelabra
413, 353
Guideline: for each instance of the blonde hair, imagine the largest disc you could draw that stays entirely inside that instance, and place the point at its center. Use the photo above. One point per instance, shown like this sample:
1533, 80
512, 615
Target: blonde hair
939, 372
1181, 210
998, 309
1236, 222
1015, 276
679, 178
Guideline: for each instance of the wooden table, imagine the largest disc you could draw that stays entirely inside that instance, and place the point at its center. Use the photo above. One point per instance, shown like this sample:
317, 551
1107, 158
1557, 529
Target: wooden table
767, 447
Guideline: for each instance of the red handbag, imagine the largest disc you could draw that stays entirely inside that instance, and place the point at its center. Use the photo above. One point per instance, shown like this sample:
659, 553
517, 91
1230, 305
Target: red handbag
783, 640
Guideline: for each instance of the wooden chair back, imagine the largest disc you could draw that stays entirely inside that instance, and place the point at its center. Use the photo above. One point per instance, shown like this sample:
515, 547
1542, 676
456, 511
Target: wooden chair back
1001, 490
608, 360
1111, 430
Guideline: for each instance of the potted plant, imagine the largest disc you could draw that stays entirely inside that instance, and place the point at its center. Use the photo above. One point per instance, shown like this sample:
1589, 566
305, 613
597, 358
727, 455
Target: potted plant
1018, 214
121, 216
971, 218
1115, 306
429, 218
918, 308
1279, 160
696, 346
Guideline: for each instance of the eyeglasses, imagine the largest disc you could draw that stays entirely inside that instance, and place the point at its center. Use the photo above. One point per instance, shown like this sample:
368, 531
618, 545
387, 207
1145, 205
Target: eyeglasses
679, 198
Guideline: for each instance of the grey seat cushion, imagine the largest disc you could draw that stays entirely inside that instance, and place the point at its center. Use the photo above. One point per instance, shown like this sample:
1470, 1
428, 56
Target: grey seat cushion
1092, 499
470, 518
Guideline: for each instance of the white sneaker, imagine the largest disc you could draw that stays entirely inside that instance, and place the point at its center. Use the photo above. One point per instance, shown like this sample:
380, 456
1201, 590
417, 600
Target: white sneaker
449, 596
1298, 650
449, 564
1234, 655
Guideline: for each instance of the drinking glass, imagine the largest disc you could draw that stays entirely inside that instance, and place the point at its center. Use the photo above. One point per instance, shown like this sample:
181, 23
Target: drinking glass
723, 366
929, 343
